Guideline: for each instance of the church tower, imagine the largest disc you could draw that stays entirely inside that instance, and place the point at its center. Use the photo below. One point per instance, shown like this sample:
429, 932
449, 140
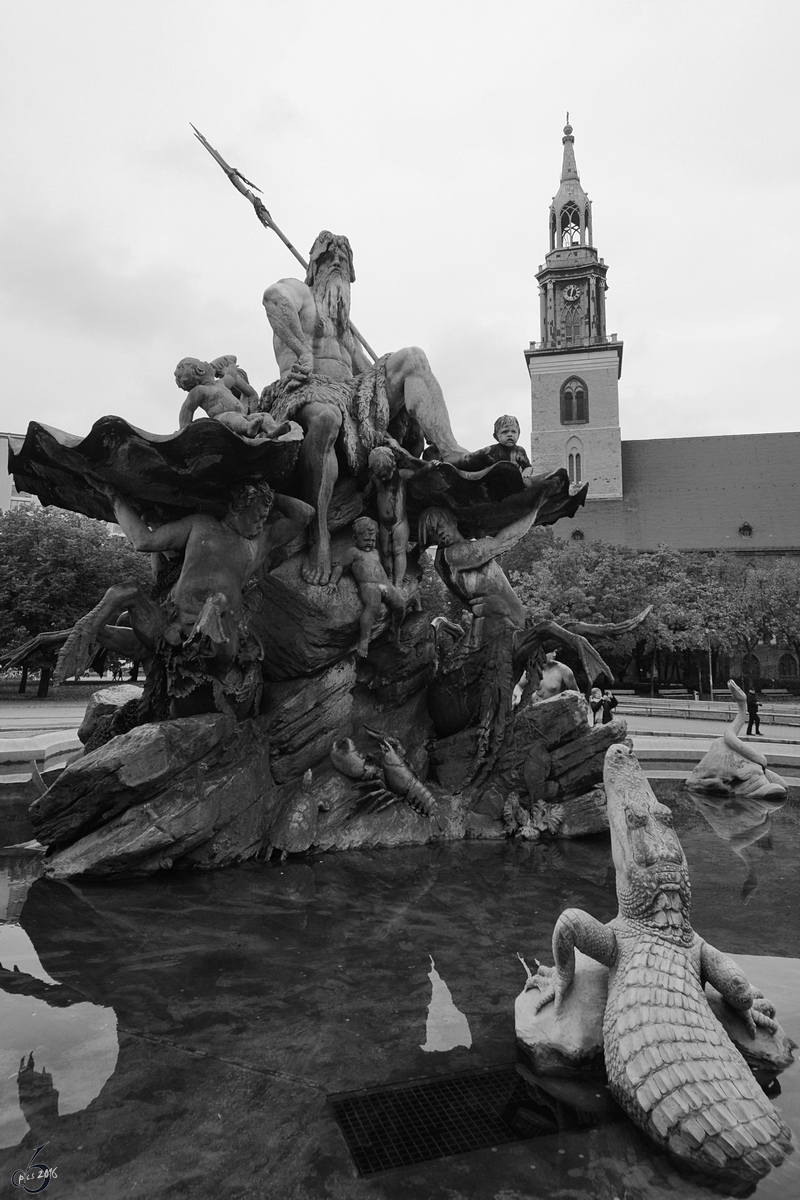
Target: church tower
575, 367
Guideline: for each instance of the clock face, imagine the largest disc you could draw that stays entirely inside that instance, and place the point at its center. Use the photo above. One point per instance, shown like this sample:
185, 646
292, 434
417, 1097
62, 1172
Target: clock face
571, 292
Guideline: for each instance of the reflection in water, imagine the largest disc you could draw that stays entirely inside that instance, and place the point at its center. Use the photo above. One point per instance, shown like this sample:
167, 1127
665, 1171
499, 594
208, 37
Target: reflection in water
446, 1026
743, 822
573, 1103
45, 1022
16, 876
38, 1099
243, 997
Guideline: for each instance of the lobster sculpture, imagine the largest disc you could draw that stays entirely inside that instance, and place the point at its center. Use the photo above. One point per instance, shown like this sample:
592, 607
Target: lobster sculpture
383, 783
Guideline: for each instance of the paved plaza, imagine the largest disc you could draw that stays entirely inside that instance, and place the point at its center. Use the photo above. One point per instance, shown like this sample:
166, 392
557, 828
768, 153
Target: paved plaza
659, 737
26, 718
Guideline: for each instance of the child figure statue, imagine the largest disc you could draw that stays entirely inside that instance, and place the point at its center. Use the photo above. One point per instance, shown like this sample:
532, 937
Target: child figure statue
388, 479
374, 585
234, 377
503, 449
218, 401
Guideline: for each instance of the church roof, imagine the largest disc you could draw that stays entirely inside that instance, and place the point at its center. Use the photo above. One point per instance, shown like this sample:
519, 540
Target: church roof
736, 492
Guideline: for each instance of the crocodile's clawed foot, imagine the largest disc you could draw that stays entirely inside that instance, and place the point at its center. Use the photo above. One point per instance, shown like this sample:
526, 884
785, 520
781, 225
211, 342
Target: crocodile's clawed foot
544, 981
541, 978
762, 1003
547, 993
762, 1014
764, 1022
754, 1020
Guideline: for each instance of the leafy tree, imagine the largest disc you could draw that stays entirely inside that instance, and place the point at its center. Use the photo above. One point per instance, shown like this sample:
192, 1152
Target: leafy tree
692, 597
748, 611
529, 550
54, 567
785, 596
782, 593
703, 604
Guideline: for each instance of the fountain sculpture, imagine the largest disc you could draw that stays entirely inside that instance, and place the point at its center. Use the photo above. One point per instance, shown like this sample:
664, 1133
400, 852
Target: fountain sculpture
300, 694
634, 1006
285, 619
732, 767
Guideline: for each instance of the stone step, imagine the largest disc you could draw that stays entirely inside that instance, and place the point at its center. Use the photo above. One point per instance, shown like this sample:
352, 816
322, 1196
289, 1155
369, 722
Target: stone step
652, 748
47, 750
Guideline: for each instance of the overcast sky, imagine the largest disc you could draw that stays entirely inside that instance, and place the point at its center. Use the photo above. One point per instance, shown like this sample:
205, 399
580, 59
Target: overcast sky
430, 133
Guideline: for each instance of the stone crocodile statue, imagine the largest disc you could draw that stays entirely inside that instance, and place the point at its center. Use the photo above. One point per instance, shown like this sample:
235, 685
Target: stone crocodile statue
732, 767
669, 1062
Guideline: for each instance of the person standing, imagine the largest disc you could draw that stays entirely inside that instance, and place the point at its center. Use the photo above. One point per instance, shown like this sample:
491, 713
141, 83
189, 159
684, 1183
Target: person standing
608, 703
752, 713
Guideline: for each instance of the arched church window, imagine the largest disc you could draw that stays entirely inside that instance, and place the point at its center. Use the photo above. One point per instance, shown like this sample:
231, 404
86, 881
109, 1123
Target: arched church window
751, 666
574, 465
573, 323
787, 666
575, 460
570, 226
574, 402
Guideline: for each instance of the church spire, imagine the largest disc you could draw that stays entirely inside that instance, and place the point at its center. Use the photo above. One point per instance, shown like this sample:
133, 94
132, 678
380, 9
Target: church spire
573, 281
571, 210
575, 367
569, 169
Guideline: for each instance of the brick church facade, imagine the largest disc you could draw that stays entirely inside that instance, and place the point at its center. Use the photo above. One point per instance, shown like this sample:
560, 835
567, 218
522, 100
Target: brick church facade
739, 493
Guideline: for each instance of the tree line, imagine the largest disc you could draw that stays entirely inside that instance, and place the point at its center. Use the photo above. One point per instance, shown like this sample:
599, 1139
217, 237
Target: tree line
54, 567
709, 607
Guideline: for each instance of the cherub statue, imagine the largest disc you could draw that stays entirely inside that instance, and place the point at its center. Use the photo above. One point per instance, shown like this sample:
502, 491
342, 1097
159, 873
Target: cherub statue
217, 400
227, 369
503, 449
388, 479
374, 585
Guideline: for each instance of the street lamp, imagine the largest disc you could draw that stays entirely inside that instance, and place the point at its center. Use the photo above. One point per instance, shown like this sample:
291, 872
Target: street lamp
710, 672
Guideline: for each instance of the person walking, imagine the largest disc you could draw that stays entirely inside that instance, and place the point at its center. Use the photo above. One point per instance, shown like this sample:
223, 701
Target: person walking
752, 713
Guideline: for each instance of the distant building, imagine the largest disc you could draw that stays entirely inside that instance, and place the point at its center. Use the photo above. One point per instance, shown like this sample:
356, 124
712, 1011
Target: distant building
9, 496
738, 493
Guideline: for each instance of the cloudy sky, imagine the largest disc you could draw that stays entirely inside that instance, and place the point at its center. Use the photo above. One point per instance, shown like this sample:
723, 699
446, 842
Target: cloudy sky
429, 131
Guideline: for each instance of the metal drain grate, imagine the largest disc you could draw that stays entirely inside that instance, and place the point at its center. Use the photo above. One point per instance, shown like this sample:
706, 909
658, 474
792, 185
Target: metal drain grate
415, 1122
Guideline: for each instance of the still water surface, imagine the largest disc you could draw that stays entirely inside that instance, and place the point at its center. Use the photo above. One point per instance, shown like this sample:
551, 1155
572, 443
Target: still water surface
186, 1031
